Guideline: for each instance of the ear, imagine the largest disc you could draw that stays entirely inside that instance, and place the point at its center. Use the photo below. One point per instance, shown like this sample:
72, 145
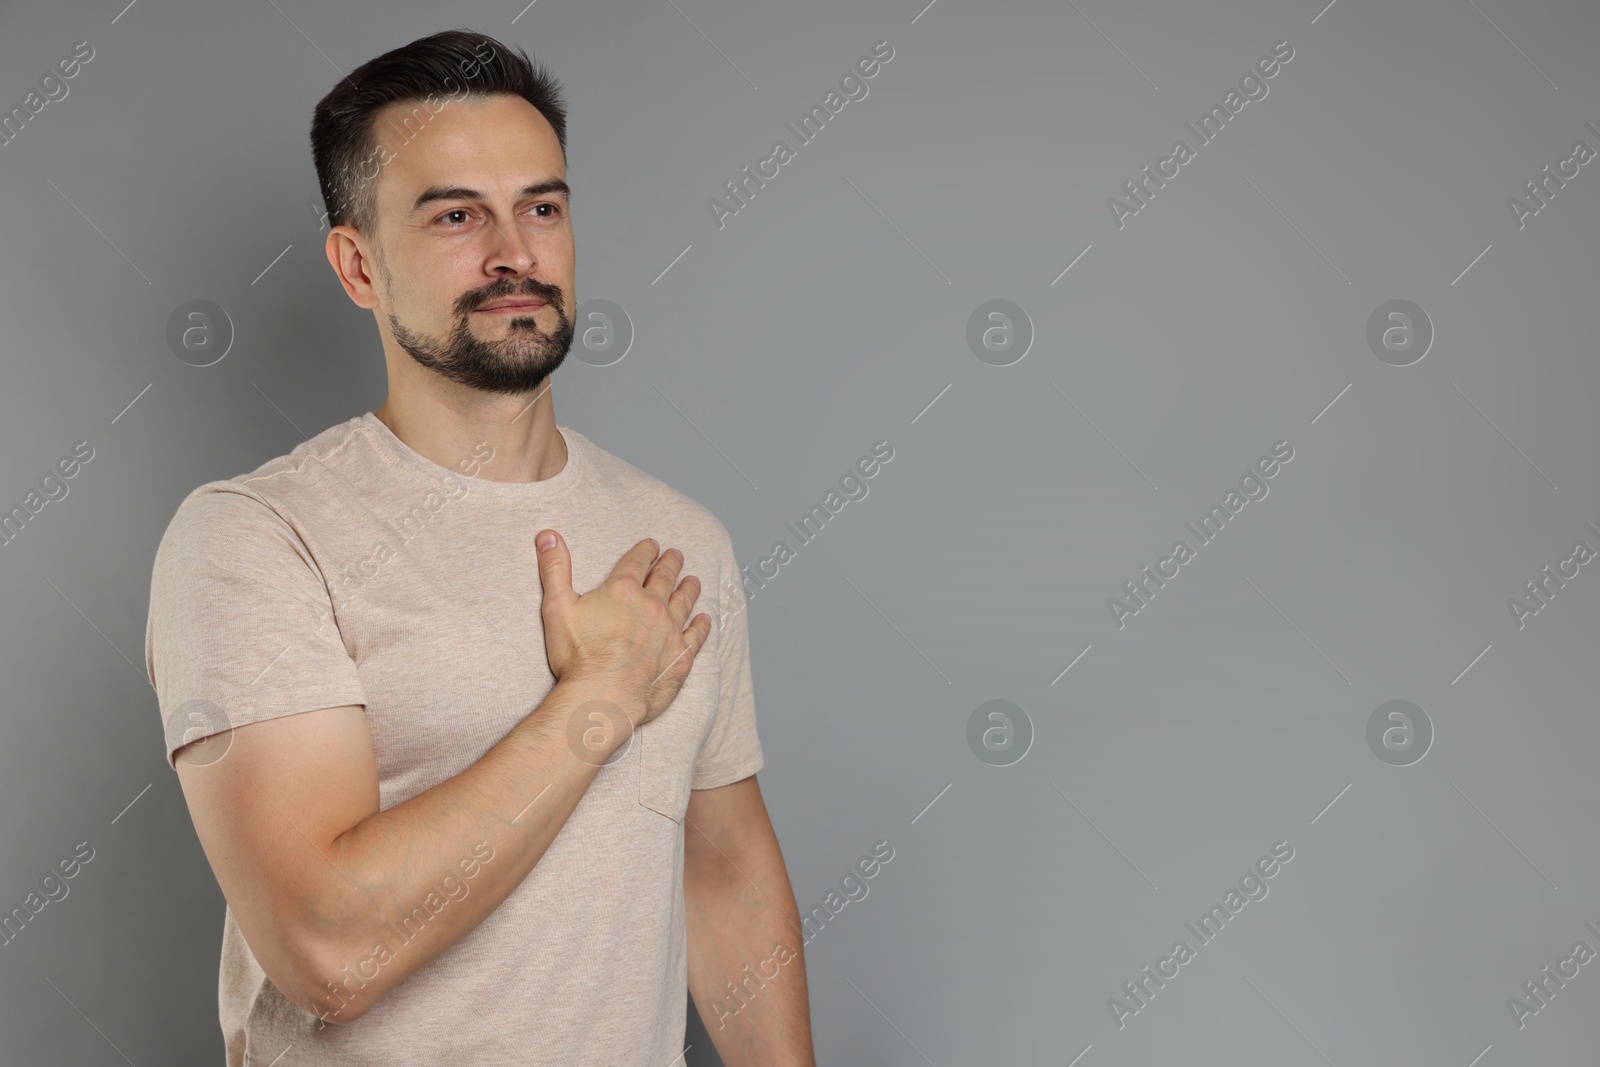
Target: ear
349, 255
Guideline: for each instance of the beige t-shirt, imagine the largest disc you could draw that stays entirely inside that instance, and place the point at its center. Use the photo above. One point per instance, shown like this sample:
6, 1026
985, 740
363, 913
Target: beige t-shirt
356, 571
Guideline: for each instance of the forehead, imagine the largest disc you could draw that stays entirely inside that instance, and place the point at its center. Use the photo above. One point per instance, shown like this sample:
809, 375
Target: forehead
496, 145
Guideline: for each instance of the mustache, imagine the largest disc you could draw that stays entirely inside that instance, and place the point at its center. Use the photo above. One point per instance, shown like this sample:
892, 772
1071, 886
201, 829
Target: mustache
538, 290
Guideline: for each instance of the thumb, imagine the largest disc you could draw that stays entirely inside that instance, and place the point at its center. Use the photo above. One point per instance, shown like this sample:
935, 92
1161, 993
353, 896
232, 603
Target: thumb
555, 567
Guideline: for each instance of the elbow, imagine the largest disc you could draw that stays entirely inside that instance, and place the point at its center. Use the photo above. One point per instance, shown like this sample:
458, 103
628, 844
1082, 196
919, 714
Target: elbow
331, 986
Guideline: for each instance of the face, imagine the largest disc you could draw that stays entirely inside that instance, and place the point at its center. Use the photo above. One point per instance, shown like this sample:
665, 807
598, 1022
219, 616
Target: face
472, 212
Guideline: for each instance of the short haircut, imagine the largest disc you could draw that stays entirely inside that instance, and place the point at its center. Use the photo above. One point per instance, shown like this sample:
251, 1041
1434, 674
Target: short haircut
453, 63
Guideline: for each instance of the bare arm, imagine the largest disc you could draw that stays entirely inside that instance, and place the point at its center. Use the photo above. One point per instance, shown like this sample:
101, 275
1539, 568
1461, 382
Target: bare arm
743, 927
318, 877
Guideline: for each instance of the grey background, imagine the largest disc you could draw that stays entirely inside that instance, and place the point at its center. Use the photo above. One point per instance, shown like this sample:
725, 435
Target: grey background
829, 314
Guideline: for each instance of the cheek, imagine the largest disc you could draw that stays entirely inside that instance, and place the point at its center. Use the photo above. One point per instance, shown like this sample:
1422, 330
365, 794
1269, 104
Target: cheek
556, 246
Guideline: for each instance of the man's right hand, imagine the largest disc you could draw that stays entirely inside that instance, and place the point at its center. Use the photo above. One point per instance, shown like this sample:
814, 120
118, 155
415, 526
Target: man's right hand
626, 637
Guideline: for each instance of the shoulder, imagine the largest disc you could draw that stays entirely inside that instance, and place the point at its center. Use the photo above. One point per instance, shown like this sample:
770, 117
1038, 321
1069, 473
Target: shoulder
642, 505
652, 502
230, 513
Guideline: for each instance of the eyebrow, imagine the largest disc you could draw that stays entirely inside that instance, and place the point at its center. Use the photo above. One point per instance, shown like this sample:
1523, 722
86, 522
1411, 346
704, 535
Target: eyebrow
459, 192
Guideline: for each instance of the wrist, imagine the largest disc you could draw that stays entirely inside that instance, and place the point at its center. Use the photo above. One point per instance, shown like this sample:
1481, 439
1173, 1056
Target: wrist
594, 716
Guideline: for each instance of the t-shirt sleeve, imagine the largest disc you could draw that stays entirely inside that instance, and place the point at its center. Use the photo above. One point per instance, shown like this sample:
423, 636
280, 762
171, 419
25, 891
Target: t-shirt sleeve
241, 626
732, 750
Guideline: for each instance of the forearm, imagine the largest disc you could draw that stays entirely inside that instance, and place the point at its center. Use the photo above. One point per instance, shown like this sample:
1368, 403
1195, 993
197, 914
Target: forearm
372, 926
747, 970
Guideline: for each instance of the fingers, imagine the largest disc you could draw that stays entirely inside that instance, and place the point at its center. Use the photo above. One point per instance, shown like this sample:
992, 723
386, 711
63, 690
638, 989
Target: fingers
683, 599
694, 638
635, 563
664, 575
555, 568
697, 633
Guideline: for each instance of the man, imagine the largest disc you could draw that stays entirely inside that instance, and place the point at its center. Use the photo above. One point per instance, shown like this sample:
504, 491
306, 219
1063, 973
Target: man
460, 812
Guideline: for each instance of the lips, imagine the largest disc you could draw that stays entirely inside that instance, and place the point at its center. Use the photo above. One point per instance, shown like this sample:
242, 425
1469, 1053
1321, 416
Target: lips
513, 305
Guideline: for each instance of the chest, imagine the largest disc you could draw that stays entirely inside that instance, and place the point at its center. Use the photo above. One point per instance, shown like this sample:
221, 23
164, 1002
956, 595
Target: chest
447, 636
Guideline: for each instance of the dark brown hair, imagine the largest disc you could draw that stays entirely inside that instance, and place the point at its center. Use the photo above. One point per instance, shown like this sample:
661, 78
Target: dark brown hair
450, 65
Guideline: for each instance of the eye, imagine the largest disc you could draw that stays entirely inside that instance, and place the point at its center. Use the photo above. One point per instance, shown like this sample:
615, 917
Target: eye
555, 209
454, 211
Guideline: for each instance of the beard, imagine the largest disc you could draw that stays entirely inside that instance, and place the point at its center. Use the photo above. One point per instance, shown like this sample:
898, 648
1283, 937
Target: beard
517, 364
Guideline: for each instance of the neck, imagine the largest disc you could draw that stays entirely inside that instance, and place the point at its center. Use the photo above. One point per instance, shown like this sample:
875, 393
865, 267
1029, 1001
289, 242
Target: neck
524, 444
